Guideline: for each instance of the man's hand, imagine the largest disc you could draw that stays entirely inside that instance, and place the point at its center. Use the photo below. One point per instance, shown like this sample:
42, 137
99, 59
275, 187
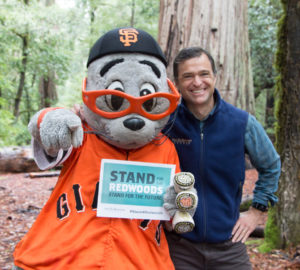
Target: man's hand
246, 224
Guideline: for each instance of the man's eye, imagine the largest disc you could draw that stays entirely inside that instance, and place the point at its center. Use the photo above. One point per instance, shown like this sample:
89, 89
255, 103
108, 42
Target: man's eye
205, 74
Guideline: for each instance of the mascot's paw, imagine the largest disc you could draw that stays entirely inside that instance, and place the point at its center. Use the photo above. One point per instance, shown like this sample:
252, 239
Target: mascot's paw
180, 201
169, 201
59, 129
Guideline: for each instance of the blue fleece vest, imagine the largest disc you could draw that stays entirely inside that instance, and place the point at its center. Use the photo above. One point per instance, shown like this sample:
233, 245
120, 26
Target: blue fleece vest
216, 157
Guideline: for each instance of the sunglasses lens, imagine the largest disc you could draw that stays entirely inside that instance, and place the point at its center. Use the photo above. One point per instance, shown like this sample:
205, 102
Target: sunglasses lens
156, 105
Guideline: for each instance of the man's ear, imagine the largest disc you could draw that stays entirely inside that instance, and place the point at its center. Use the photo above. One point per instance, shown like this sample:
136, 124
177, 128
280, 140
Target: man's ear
215, 79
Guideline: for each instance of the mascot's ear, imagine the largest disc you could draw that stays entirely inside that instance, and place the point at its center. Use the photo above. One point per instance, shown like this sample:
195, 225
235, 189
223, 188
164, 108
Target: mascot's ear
126, 40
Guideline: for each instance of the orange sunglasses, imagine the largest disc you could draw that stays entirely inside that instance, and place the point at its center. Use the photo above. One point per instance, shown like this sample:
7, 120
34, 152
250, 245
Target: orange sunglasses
135, 103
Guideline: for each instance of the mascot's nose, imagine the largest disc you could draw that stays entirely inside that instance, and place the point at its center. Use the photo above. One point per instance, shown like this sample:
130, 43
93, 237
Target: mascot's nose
134, 123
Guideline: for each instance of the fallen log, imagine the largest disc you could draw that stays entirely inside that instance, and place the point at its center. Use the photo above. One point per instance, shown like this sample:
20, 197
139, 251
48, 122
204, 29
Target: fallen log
17, 159
42, 174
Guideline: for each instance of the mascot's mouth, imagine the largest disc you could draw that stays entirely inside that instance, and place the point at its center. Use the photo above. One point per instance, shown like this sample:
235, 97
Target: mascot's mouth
131, 145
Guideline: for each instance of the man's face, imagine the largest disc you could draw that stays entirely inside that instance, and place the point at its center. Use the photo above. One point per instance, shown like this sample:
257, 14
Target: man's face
196, 82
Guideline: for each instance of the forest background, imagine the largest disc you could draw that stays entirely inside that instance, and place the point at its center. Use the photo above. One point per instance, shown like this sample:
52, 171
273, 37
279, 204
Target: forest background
44, 46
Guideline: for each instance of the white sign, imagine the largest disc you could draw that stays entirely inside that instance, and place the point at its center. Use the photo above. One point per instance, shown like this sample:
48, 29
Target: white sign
130, 189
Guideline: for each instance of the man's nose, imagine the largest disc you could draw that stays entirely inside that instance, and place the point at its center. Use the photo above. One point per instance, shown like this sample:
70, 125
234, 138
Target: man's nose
197, 80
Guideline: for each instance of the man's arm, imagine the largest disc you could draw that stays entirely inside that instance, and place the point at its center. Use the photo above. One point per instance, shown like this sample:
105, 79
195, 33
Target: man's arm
265, 159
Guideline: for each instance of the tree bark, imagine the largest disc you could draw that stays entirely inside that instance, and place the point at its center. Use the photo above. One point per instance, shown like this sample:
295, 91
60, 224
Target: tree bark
288, 130
221, 27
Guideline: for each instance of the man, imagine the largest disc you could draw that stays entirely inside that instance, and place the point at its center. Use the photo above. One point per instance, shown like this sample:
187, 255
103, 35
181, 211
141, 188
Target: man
211, 138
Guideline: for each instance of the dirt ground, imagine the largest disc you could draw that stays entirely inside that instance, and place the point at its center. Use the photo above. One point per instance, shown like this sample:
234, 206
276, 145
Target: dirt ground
22, 197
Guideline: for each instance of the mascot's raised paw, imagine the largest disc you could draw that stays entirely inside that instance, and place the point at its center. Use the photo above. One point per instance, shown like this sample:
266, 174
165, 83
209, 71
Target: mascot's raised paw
56, 129
181, 201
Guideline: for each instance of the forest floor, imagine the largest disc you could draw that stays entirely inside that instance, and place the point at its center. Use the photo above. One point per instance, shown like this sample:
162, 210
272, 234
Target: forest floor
22, 197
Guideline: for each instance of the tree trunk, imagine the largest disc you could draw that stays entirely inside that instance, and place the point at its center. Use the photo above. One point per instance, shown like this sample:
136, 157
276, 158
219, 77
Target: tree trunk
47, 89
24, 38
22, 75
221, 27
132, 13
287, 216
47, 86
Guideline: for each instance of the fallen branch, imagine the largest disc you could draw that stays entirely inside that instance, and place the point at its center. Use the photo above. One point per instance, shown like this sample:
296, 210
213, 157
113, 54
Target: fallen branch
42, 174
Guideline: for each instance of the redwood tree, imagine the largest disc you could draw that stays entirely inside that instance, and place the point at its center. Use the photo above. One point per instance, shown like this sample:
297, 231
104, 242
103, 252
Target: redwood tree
220, 27
287, 211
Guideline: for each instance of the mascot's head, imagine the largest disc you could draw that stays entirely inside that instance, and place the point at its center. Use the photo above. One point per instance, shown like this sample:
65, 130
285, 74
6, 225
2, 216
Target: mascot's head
127, 96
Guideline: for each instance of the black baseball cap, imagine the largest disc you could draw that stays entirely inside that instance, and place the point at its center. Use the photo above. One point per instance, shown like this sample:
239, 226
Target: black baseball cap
127, 39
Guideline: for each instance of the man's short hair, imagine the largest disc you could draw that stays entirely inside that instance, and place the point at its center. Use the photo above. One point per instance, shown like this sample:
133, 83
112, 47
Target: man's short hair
188, 53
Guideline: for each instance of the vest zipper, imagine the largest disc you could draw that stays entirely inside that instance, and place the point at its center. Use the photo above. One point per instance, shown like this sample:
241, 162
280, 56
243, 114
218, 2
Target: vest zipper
202, 182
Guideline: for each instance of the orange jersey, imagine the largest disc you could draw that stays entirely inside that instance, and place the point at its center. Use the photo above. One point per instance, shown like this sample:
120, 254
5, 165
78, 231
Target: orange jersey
67, 233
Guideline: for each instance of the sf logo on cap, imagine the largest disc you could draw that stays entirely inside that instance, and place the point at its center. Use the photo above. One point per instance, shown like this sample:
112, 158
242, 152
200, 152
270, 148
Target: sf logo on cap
128, 36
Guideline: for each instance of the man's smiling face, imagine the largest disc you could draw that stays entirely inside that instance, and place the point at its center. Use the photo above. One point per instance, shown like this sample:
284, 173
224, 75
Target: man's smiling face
196, 82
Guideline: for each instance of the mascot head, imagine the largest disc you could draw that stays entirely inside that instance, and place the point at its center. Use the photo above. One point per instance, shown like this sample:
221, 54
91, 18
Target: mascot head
127, 96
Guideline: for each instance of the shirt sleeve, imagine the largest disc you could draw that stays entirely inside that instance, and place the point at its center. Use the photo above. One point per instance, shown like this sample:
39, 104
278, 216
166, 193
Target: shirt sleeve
265, 159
